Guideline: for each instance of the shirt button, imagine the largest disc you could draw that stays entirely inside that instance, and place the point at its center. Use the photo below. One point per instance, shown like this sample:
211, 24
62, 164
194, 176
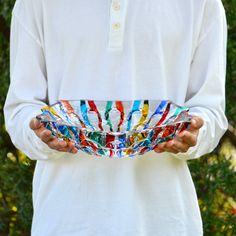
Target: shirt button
116, 25
116, 6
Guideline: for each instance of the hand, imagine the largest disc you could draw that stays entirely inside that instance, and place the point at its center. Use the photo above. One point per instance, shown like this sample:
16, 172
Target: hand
45, 135
184, 140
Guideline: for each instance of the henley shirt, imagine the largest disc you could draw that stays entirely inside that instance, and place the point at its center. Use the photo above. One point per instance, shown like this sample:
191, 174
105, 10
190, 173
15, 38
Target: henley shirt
116, 50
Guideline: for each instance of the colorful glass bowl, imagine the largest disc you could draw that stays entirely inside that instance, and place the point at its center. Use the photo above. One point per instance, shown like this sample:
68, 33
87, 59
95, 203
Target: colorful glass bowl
115, 128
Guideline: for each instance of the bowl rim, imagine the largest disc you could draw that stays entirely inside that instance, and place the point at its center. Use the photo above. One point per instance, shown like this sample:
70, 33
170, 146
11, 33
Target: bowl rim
114, 100
129, 132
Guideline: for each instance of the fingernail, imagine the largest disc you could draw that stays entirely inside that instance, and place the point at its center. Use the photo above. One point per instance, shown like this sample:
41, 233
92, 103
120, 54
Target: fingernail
47, 132
194, 122
158, 149
75, 150
63, 143
35, 122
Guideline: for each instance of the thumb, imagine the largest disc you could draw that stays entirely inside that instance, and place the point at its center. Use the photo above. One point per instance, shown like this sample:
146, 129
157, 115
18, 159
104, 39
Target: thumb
196, 123
35, 124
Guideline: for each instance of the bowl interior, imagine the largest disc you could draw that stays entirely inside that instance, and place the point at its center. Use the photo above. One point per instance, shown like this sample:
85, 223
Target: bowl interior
115, 117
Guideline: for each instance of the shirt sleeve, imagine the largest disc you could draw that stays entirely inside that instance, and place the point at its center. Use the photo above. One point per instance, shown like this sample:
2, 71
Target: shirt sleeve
206, 89
28, 86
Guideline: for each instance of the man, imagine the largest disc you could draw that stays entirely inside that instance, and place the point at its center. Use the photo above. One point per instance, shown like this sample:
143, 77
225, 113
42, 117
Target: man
116, 50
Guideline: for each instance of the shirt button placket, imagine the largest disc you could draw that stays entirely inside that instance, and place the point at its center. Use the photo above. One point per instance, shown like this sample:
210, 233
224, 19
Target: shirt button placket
116, 5
117, 24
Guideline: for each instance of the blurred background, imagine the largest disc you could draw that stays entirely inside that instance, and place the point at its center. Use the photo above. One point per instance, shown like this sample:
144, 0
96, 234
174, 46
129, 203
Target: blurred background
214, 175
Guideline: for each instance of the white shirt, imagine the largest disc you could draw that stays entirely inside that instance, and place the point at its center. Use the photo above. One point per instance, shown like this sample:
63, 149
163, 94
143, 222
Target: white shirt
150, 49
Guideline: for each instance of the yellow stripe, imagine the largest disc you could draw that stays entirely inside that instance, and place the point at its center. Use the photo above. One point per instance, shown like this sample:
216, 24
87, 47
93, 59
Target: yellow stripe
144, 116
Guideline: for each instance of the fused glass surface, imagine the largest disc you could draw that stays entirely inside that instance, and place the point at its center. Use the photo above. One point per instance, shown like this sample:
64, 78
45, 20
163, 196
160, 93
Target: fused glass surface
115, 128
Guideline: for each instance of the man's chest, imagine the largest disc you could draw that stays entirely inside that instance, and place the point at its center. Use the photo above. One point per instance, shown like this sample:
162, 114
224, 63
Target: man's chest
114, 22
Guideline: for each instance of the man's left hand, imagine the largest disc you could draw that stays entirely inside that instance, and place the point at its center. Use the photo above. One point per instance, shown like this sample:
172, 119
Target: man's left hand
184, 140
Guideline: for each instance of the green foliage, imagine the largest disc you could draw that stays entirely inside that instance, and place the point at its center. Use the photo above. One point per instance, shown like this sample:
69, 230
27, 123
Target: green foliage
213, 175
230, 7
15, 194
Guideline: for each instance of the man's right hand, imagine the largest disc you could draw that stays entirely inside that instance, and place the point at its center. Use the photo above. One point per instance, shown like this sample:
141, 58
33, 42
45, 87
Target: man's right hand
46, 136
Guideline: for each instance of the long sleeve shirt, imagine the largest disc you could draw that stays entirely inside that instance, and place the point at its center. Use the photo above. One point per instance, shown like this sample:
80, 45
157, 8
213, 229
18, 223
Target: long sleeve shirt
116, 50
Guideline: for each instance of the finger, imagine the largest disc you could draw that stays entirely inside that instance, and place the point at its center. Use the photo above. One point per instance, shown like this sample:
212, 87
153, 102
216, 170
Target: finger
42, 131
170, 147
73, 150
178, 146
160, 148
57, 144
67, 148
62, 149
161, 145
188, 137
39, 128
35, 124
63, 146
196, 123
71, 147
45, 135
163, 148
